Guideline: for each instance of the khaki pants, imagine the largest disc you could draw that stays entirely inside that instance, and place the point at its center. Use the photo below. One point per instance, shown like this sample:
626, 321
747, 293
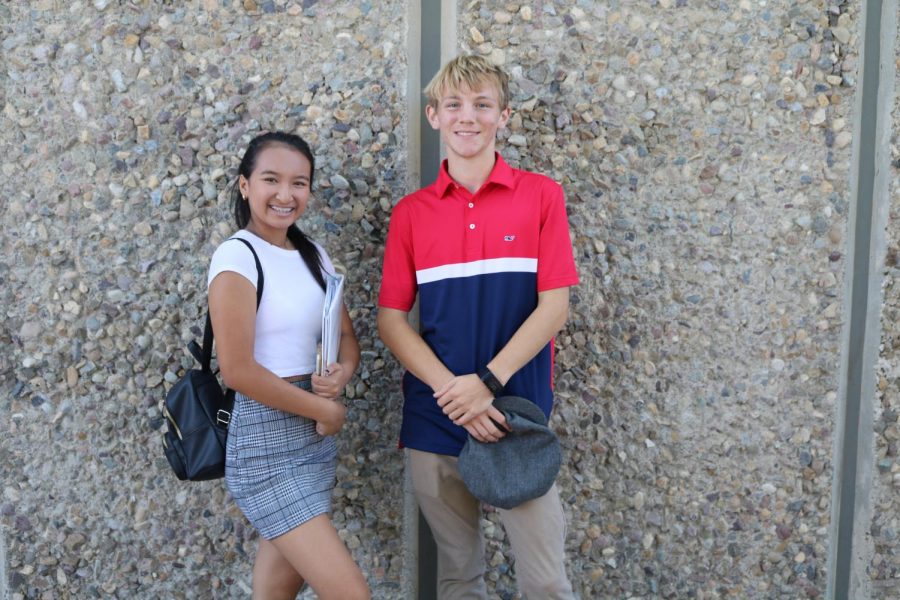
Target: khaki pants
536, 531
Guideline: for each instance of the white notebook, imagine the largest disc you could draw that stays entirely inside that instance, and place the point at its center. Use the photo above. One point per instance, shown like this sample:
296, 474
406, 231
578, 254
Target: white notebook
331, 320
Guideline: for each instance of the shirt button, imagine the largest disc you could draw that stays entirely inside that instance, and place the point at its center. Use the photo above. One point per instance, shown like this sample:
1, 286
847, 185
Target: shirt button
471, 205
471, 225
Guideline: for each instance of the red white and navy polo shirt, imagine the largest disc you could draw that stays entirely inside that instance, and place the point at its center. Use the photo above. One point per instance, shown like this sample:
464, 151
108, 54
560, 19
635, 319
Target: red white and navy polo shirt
477, 262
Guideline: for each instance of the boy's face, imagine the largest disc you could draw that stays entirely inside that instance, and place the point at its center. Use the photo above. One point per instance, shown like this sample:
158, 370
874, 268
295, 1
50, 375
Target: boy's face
468, 120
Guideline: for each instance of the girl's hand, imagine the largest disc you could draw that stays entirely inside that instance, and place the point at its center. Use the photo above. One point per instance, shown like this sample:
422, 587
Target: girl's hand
331, 385
334, 420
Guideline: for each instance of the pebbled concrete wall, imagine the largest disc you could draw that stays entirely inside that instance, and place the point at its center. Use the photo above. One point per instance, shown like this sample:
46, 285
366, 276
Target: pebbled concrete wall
883, 533
704, 149
122, 122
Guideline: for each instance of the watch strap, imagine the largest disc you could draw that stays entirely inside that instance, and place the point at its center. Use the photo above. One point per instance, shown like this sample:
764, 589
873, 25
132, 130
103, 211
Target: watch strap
491, 382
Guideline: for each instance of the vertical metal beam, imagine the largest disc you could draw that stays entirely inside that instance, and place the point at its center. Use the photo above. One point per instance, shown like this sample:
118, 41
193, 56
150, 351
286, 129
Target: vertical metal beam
430, 51
429, 164
849, 550
437, 29
414, 556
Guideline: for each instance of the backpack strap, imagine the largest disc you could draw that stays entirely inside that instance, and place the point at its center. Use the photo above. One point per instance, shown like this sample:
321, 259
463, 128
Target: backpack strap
204, 353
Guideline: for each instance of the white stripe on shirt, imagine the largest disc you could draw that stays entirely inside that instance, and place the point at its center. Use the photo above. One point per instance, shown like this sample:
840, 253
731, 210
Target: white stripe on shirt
477, 267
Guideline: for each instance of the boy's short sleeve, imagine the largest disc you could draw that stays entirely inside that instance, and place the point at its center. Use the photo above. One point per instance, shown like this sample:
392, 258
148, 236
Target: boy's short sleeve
398, 275
556, 264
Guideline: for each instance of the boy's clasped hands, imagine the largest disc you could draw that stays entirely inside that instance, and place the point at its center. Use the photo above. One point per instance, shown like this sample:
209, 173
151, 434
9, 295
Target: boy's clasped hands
468, 403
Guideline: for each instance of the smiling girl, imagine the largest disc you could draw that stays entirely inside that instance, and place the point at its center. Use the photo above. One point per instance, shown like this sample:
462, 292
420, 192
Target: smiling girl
280, 457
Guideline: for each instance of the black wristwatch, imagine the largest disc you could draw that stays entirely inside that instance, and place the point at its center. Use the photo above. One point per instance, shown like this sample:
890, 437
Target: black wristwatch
491, 382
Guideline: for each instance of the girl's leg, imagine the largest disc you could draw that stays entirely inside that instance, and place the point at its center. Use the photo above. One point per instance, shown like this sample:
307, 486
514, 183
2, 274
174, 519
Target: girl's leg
273, 576
317, 553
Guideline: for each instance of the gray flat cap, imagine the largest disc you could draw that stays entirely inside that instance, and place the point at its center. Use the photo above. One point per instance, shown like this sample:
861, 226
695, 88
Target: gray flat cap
520, 467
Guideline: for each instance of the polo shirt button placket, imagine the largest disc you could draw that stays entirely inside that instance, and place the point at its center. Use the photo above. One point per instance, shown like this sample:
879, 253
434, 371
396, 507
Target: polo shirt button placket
472, 243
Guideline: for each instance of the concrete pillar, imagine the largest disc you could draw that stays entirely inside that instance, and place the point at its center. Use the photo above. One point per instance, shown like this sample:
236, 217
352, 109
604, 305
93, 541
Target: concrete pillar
850, 545
4, 590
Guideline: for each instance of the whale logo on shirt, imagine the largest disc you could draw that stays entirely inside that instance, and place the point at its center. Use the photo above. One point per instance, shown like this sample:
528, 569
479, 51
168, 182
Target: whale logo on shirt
508, 238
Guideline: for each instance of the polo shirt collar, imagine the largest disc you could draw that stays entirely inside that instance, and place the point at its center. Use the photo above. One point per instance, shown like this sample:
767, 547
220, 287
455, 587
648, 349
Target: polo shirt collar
501, 174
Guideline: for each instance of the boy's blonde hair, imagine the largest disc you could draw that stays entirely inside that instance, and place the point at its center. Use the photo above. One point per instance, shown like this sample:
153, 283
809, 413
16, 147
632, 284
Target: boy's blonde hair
470, 71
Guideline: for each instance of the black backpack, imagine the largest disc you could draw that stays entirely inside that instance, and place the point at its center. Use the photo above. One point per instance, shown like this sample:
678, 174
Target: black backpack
198, 410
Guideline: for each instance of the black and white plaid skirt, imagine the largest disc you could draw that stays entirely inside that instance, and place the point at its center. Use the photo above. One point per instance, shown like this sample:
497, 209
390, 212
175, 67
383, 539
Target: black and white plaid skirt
279, 471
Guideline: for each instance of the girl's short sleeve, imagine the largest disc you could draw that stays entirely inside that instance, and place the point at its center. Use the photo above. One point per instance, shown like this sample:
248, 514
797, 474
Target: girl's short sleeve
232, 257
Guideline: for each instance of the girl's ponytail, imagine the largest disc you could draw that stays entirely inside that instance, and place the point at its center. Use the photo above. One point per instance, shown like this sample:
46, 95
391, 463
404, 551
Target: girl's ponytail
308, 252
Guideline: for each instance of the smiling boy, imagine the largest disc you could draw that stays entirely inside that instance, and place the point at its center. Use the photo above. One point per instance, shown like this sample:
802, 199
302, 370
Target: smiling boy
487, 249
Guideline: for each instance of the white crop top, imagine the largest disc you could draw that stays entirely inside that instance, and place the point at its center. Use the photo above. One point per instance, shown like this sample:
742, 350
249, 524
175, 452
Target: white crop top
289, 319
